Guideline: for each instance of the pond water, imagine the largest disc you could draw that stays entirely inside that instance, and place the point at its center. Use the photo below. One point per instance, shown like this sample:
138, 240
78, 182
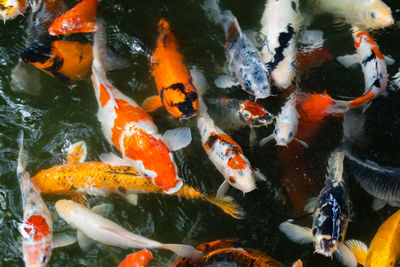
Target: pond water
58, 116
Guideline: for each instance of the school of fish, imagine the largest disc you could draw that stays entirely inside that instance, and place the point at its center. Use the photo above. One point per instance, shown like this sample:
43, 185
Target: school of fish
266, 65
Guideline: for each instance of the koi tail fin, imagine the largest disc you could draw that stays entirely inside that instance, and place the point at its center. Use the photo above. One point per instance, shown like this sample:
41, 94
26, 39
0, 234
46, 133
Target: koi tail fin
183, 250
359, 250
213, 10
228, 205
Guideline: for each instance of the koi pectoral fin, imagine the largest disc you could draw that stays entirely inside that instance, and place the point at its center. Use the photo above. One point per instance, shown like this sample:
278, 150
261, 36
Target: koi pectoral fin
77, 153
225, 81
348, 61
222, 189
301, 142
152, 103
345, 255
378, 204
63, 240
131, 198
84, 241
177, 138
266, 140
296, 233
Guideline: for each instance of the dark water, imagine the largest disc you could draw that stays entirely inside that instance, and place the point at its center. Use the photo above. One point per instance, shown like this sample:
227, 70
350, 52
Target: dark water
59, 116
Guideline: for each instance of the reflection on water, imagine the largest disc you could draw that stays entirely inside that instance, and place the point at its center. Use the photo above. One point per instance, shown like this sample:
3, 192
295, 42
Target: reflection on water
58, 116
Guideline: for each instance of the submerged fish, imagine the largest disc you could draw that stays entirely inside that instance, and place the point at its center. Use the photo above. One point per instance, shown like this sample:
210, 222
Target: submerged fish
91, 225
10, 9
141, 258
243, 59
382, 182
227, 252
372, 14
37, 224
176, 91
385, 246
67, 61
331, 216
235, 113
280, 24
80, 18
132, 130
78, 178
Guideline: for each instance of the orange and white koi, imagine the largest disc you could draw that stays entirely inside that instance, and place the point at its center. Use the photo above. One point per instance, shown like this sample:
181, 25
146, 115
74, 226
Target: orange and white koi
67, 61
141, 258
10, 9
176, 91
228, 252
226, 155
81, 18
113, 175
280, 24
373, 14
92, 225
37, 224
132, 131
244, 61
385, 246
373, 65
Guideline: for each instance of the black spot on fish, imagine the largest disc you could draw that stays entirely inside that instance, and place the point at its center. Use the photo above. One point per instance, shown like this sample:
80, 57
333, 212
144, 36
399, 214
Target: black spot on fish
211, 141
294, 6
62, 78
368, 59
283, 39
37, 52
377, 83
57, 65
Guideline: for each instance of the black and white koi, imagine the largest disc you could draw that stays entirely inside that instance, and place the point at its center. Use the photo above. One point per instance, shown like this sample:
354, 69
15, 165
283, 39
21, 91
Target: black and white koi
280, 24
244, 61
331, 216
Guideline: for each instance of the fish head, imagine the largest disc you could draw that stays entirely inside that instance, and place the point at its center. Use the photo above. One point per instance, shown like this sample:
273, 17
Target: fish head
258, 83
240, 174
11, 9
378, 15
284, 133
254, 114
39, 52
324, 245
37, 254
180, 100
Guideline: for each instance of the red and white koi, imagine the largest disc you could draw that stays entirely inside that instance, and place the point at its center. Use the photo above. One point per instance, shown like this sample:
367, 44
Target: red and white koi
94, 226
280, 25
226, 155
37, 224
132, 131
10, 9
141, 258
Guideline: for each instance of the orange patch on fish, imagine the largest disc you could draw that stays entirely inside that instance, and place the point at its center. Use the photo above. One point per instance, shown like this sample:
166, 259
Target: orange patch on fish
104, 96
126, 114
255, 109
141, 258
361, 100
172, 77
237, 162
39, 226
208, 145
80, 18
369, 40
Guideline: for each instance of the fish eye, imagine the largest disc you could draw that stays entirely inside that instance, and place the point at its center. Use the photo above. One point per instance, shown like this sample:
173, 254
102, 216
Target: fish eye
373, 14
276, 131
290, 134
231, 179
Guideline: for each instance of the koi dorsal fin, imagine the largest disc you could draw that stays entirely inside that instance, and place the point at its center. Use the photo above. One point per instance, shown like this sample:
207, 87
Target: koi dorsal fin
77, 153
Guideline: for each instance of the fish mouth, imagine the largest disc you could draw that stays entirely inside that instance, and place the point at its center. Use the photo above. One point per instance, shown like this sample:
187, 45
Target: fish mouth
325, 247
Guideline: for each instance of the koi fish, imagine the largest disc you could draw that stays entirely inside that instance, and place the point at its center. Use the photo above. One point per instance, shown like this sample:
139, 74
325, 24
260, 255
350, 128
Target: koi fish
382, 182
373, 14
37, 224
113, 175
92, 225
67, 61
235, 113
286, 124
280, 24
10, 9
243, 59
176, 91
226, 252
373, 66
298, 263
384, 249
132, 131
80, 18
226, 155
331, 216
141, 258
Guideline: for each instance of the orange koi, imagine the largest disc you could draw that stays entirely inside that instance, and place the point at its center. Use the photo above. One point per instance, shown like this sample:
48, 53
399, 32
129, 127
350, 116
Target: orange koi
67, 61
174, 84
130, 129
228, 252
385, 246
10, 9
141, 258
80, 18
